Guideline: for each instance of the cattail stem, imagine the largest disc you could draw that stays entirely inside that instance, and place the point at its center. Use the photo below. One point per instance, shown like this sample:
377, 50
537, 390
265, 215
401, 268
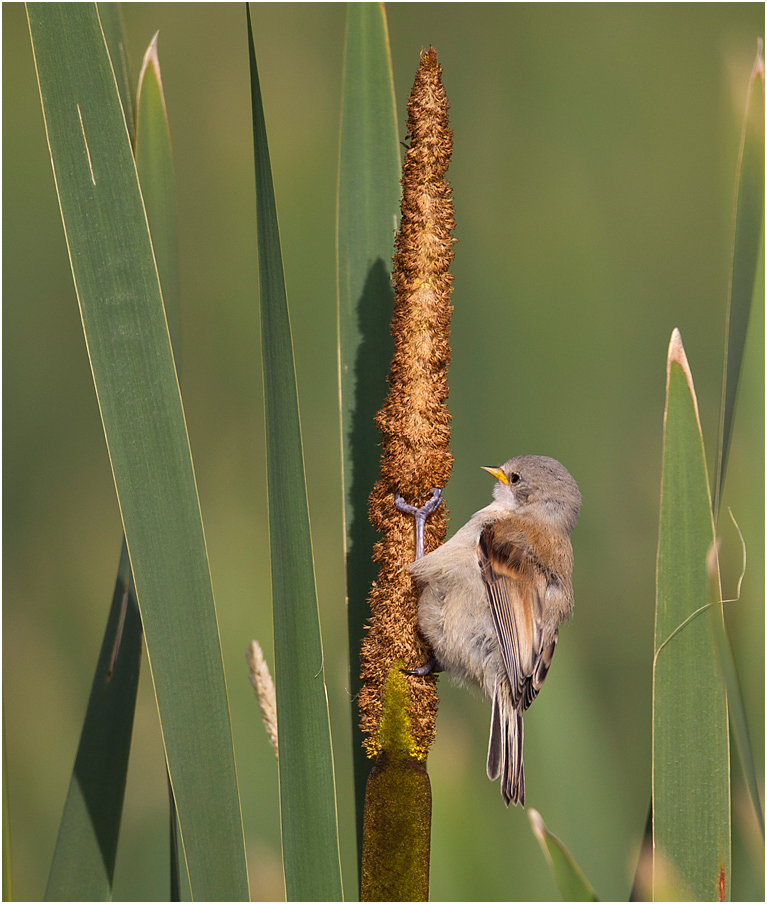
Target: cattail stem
397, 822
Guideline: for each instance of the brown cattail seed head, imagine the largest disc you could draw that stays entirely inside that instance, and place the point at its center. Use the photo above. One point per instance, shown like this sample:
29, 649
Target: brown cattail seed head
414, 420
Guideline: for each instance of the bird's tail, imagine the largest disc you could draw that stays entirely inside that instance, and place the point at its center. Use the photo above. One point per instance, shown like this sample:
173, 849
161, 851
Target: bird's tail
504, 755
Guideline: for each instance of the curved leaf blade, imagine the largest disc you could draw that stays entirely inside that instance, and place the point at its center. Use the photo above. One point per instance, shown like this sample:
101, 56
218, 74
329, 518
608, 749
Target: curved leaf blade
307, 781
747, 248
132, 363
368, 208
746, 281
83, 862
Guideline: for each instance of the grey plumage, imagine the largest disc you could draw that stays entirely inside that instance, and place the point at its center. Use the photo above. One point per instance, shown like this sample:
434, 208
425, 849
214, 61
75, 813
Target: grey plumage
494, 595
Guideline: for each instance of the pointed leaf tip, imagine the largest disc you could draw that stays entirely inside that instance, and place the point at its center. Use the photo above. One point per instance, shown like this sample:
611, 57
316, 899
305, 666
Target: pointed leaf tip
570, 878
152, 58
536, 821
677, 355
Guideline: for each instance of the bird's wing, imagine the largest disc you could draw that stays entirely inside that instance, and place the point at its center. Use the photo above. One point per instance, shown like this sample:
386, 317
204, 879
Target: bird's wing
516, 589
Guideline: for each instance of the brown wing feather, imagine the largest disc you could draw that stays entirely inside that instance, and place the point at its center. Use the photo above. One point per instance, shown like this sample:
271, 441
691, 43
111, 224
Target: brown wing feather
516, 591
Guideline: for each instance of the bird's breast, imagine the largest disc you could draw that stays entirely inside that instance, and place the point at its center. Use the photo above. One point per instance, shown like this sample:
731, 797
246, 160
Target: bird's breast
454, 613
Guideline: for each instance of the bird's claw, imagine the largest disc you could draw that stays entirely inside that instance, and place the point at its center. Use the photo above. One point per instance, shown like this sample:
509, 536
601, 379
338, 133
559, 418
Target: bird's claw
433, 665
420, 515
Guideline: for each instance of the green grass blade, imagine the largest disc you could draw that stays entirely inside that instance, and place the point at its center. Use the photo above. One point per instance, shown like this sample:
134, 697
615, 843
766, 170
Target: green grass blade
571, 882
84, 858
368, 207
746, 281
747, 247
307, 781
132, 363
86, 848
83, 863
114, 34
691, 754
154, 164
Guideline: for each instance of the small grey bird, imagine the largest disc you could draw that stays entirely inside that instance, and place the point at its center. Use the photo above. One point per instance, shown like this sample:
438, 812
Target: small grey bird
494, 595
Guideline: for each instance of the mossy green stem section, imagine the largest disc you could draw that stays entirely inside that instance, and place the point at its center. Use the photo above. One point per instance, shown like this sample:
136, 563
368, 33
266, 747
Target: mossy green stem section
397, 825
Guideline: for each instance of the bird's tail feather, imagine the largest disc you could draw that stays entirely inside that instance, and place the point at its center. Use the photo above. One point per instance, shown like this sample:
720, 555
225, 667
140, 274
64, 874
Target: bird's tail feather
504, 755
495, 749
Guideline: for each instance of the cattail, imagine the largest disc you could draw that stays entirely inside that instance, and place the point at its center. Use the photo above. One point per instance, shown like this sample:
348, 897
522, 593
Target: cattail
414, 420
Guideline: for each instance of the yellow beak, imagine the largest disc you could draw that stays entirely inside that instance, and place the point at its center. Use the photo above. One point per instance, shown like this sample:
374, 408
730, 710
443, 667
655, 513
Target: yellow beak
497, 473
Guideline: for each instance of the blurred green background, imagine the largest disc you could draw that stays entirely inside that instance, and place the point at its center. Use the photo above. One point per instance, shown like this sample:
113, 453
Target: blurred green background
593, 173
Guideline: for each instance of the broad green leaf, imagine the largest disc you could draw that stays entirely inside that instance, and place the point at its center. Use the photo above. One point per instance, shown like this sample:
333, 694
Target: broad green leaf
746, 282
86, 848
84, 858
747, 247
307, 782
132, 363
690, 744
571, 882
368, 207
83, 863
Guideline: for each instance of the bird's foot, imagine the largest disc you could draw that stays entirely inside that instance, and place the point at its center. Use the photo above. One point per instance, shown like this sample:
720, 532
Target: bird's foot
420, 515
433, 665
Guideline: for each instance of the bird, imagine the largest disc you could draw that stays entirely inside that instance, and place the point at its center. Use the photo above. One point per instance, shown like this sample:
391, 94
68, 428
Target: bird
492, 598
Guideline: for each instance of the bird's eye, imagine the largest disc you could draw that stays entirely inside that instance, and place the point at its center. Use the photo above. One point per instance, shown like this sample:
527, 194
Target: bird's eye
515, 478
